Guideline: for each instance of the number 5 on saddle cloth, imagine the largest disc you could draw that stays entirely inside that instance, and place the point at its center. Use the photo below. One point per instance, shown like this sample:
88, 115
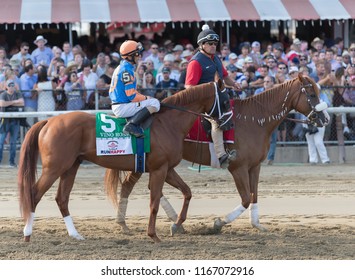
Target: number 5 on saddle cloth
112, 141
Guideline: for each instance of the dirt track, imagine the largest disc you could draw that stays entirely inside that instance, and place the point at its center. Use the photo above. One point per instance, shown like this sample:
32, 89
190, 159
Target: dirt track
309, 212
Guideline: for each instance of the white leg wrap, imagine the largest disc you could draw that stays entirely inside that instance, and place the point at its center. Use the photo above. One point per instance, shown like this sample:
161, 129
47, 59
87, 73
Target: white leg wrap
168, 208
121, 210
27, 231
234, 214
71, 228
254, 214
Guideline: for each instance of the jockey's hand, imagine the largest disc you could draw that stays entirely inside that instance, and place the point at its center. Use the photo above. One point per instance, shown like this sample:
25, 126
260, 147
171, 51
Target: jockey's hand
237, 86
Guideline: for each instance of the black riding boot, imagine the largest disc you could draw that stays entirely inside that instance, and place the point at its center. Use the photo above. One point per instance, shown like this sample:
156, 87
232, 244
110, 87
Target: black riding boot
133, 126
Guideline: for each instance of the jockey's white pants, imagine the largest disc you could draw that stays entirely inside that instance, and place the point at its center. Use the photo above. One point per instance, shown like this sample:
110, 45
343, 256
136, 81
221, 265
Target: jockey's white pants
126, 110
316, 144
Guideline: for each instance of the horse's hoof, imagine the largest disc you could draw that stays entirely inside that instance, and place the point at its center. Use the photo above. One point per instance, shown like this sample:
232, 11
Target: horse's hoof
218, 224
77, 236
27, 238
260, 227
176, 229
156, 239
124, 228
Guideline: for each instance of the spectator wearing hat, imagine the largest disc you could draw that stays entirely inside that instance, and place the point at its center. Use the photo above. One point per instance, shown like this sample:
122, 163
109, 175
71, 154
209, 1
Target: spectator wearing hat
161, 56
255, 54
346, 58
318, 44
238, 76
232, 59
293, 72
278, 52
183, 67
67, 54
177, 51
169, 60
42, 54
167, 86
22, 55
187, 54
10, 101
116, 56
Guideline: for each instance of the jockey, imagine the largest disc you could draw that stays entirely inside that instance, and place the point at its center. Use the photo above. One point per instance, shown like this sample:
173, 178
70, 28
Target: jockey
126, 100
202, 68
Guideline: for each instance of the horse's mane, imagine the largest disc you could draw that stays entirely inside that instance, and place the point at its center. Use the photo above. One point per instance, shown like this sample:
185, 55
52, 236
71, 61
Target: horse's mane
190, 95
263, 105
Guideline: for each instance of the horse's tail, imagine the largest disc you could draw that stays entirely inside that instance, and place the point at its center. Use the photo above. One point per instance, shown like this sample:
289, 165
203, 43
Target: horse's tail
113, 179
27, 170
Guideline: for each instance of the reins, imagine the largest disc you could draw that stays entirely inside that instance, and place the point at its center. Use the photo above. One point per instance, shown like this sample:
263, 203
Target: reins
183, 109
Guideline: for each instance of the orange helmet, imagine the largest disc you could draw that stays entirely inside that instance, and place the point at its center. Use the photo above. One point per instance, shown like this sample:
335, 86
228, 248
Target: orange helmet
130, 48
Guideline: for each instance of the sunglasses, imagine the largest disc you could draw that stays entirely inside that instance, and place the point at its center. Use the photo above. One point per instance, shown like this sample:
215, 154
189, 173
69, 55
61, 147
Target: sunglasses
11, 85
352, 50
212, 43
154, 48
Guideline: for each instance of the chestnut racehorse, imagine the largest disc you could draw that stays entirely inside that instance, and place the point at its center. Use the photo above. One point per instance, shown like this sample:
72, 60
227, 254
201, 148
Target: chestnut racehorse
254, 119
64, 141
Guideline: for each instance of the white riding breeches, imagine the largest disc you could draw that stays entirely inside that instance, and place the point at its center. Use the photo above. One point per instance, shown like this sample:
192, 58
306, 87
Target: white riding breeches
126, 110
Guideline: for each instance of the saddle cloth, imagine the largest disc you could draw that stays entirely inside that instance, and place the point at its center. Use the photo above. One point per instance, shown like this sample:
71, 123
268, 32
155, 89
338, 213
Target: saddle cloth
110, 139
198, 134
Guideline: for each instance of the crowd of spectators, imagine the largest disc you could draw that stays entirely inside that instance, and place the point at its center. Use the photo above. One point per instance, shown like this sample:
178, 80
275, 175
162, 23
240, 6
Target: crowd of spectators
64, 78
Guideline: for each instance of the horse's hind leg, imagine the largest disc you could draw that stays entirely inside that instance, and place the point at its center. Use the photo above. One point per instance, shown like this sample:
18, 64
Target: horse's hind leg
175, 180
43, 184
126, 189
62, 198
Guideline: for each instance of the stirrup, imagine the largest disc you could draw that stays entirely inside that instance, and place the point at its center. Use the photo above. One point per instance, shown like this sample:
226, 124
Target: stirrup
133, 129
227, 158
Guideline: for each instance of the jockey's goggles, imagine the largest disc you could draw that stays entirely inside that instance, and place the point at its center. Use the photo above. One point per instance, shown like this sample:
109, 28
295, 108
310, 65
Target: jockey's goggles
210, 37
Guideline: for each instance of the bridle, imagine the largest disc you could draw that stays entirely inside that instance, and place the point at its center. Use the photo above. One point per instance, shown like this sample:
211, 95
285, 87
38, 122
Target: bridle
312, 117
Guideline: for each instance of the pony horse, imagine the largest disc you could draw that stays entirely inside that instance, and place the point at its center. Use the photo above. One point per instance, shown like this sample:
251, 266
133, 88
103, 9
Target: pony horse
254, 118
64, 141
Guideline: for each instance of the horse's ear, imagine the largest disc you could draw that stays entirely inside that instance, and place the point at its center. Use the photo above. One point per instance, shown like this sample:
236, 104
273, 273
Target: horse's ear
300, 77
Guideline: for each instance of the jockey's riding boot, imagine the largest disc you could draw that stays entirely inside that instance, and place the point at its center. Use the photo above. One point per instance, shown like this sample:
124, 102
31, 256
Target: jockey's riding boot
227, 158
133, 126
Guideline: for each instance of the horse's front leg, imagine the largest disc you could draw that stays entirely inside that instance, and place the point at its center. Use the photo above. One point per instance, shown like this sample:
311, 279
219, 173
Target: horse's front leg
253, 207
175, 180
241, 179
126, 189
156, 183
